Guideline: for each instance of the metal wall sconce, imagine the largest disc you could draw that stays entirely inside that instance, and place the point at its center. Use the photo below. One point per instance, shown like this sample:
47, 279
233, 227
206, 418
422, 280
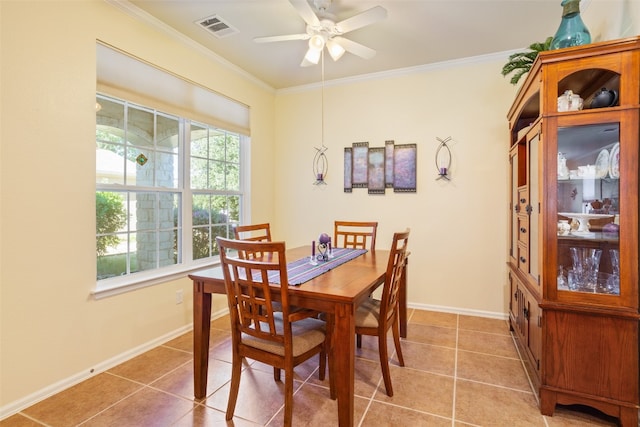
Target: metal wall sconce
320, 166
443, 159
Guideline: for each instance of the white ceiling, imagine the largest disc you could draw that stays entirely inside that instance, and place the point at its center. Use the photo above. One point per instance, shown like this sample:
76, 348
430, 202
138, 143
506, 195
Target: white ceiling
415, 32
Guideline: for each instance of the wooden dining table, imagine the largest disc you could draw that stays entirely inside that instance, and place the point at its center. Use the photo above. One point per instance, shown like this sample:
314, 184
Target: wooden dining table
338, 291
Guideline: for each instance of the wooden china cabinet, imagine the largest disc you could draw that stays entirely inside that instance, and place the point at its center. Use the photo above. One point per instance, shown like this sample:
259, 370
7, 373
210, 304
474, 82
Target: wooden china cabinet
573, 251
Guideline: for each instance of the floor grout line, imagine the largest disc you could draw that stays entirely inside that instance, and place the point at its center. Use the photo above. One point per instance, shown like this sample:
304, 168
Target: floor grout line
35, 420
455, 373
406, 408
112, 405
371, 406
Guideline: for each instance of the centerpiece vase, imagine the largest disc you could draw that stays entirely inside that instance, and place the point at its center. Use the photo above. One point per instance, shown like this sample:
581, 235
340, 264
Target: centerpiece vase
572, 31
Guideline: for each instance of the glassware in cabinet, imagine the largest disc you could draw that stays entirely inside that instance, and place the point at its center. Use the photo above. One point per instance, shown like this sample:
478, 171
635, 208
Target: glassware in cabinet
589, 198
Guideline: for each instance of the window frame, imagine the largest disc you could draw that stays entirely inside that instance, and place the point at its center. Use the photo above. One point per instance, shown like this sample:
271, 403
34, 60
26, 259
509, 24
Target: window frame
186, 263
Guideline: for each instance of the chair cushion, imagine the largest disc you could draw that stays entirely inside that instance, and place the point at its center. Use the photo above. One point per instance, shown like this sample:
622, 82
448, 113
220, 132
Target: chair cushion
307, 333
368, 314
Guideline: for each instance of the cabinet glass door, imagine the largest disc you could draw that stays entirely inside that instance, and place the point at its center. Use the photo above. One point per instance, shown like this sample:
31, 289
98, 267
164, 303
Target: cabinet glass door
588, 209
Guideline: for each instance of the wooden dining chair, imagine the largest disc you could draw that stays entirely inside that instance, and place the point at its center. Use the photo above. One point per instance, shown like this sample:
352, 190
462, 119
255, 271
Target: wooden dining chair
252, 233
355, 234
282, 339
375, 317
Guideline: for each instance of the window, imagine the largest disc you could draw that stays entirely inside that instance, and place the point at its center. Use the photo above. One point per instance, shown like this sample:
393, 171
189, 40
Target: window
166, 186
215, 183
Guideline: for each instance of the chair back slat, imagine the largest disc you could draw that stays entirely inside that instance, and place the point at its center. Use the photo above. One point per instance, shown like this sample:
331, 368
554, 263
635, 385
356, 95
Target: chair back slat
247, 283
355, 234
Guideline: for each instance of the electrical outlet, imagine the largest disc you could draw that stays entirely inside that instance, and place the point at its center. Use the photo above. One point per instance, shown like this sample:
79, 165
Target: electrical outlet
179, 296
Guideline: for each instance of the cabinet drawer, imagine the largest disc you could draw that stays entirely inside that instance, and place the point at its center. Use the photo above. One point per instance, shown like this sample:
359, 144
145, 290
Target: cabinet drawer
523, 200
523, 229
523, 257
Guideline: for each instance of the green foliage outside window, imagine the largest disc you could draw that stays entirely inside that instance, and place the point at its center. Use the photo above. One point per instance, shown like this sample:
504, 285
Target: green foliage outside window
110, 217
206, 226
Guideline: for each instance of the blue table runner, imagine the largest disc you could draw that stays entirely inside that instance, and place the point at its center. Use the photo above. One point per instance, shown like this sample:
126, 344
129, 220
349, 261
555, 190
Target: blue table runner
302, 270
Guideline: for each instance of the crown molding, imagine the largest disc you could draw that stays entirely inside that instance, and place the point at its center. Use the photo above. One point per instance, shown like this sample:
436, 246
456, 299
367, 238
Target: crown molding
144, 17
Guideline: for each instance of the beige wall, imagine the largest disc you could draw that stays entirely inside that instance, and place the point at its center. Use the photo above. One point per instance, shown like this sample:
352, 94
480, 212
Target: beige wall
52, 329
458, 240
611, 19
52, 333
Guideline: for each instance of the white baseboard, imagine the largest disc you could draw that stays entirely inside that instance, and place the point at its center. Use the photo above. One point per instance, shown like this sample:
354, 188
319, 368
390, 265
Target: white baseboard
33, 398
457, 310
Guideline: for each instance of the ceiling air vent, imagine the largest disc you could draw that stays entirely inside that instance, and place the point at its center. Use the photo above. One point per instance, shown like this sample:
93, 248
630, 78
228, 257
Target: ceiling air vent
217, 26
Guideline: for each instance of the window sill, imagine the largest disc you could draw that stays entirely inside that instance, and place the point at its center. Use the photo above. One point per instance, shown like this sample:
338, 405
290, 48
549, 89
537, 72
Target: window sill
120, 285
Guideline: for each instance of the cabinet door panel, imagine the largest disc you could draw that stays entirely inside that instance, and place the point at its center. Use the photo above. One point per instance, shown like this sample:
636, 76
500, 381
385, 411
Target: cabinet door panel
534, 208
514, 207
586, 353
535, 332
513, 297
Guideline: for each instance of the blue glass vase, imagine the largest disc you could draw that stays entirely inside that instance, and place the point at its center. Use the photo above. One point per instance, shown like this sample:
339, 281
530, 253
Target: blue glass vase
572, 31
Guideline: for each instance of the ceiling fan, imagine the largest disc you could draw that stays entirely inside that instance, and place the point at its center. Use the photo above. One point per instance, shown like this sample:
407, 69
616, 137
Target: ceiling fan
323, 30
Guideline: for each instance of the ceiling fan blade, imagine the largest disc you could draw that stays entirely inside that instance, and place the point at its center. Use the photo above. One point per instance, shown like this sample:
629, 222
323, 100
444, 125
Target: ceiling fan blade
306, 12
363, 19
355, 48
287, 37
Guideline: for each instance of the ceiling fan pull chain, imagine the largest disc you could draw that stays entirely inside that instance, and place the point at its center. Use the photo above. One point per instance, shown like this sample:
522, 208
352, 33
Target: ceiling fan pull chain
320, 162
322, 95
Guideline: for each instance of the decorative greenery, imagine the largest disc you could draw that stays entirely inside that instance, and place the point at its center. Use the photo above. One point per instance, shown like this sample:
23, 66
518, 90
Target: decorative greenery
521, 62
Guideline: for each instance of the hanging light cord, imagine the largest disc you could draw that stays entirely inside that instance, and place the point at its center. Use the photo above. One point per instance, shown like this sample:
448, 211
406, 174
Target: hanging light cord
320, 165
322, 96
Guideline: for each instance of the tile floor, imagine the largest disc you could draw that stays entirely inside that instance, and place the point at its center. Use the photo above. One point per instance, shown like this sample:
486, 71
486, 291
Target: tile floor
460, 371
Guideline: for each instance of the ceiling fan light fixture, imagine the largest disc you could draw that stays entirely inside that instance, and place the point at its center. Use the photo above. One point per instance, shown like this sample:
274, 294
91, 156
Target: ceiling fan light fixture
323, 30
313, 56
335, 50
316, 42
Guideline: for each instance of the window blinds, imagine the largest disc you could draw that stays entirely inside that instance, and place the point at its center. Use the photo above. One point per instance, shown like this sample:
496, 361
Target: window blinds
127, 77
